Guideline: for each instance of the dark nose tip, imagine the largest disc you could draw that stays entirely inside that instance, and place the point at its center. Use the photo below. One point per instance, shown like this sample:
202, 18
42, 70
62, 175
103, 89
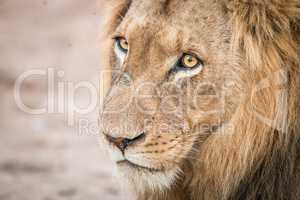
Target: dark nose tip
123, 143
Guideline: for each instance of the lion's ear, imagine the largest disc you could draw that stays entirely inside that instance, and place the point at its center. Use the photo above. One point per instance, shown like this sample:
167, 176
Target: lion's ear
262, 25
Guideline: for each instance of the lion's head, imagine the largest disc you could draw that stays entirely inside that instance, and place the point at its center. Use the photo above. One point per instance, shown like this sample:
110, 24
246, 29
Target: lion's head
201, 96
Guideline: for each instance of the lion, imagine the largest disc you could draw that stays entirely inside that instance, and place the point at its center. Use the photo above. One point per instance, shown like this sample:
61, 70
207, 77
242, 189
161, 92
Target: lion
202, 98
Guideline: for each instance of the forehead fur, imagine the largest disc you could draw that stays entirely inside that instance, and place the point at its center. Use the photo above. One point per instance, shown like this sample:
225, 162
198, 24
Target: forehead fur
172, 9
171, 24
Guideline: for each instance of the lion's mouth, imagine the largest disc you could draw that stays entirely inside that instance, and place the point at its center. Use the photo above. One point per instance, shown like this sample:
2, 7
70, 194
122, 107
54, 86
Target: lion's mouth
138, 167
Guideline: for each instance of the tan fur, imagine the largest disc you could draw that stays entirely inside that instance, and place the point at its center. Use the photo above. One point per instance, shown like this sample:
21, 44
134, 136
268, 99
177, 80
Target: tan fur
250, 49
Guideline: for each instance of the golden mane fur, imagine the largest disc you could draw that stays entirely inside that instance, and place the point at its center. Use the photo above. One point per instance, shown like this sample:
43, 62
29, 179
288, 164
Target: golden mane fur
254, 158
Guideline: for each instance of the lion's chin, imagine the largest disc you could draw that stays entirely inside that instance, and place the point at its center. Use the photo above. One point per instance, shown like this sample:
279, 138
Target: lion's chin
141, 179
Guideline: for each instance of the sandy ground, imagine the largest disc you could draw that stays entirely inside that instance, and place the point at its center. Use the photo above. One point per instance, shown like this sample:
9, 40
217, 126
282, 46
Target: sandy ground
42, 157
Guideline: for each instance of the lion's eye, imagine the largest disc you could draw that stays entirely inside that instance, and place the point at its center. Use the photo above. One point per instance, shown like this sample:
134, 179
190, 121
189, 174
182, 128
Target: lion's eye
188, 65
189, 61
121, 48
122, 44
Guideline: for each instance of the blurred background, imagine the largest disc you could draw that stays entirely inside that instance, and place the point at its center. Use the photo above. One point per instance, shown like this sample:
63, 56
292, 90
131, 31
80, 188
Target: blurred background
49, 145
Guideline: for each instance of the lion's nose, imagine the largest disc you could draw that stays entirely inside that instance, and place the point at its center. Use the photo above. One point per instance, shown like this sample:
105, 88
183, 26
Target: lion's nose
123, 143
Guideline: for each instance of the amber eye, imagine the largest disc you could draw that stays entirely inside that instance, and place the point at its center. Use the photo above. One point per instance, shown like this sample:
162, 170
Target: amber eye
189, 61
122, 44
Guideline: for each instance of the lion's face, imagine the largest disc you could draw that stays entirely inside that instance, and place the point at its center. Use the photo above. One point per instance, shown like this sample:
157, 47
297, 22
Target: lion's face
172, 87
